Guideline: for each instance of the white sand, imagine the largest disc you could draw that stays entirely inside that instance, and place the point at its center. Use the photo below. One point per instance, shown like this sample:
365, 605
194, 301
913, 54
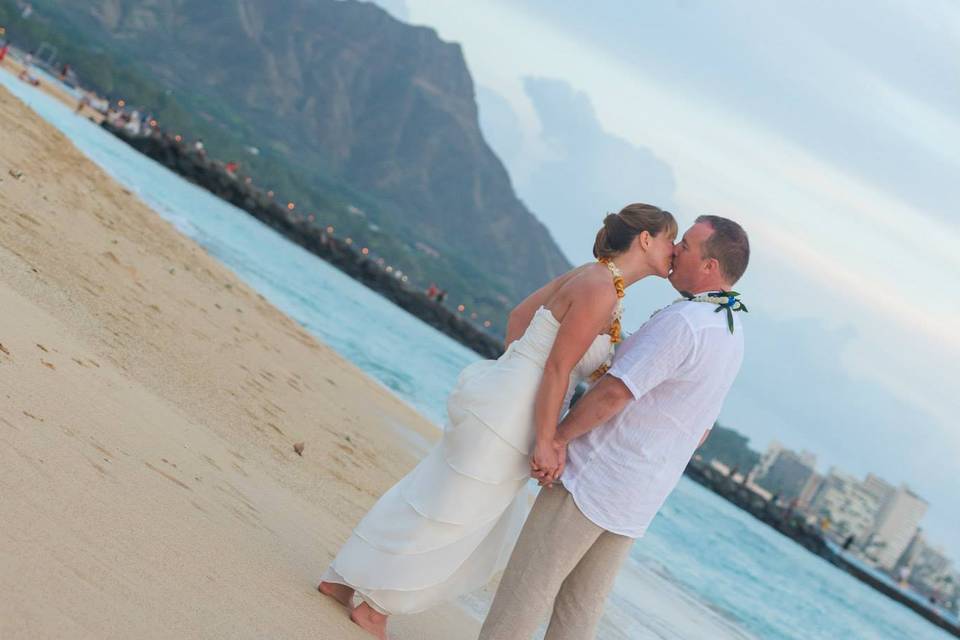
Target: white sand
150, 402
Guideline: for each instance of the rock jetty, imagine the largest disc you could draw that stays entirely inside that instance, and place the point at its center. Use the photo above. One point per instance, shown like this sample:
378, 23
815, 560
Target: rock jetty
213, 176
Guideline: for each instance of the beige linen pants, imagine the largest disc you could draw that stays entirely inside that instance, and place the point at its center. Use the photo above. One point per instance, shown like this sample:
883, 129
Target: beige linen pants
562, 560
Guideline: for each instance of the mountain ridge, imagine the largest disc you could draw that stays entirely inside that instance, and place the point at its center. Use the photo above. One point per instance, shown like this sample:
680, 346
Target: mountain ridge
361, 111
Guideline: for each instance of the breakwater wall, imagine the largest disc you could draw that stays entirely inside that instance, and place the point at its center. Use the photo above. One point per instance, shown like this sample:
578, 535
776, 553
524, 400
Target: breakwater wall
794, 526
212, 176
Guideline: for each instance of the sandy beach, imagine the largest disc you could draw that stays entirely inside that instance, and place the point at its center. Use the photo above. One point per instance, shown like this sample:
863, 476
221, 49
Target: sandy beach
54, 90
151, 402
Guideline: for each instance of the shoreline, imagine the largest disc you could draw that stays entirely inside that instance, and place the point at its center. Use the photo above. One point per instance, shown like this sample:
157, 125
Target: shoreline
152, 400
212, 176
792, 525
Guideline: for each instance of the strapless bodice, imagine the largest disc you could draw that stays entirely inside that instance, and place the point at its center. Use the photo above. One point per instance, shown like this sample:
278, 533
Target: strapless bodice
537, 341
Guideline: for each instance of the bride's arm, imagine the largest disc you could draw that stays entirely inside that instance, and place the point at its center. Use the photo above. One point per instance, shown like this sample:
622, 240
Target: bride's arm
588, 313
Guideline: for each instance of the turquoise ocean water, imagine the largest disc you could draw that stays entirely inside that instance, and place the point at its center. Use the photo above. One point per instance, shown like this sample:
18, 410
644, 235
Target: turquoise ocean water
705, 570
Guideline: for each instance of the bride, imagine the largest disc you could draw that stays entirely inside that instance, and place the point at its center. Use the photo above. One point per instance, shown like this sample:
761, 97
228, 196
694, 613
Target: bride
450, 524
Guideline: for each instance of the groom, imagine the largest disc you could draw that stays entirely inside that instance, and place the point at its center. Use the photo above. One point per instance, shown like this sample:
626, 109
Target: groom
627, 442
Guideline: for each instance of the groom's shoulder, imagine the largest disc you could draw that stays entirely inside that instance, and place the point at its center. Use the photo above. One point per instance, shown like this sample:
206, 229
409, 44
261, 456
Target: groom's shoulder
699, 313
707, 322
680, 311
695, 316
671, 318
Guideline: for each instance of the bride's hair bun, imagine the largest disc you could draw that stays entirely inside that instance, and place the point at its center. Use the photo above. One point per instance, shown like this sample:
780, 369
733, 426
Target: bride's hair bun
619, 229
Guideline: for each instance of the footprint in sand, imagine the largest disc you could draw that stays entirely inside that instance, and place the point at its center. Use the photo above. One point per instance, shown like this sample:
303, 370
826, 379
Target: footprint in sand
211, 462
167, 476
99, 447
112, 257
276, 406
96, 466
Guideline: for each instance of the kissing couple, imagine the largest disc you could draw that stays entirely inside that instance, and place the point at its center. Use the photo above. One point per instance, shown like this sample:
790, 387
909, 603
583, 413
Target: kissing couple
606, 468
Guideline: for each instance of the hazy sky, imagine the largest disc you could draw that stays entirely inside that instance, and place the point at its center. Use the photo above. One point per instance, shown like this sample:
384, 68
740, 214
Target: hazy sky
831, 131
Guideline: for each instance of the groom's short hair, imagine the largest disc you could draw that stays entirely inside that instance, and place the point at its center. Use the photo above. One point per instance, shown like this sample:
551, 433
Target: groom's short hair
728, 244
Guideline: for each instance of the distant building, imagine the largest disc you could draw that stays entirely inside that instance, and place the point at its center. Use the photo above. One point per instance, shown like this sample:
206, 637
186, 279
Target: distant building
932, 570
810, 491
848, 506
783, 472
879, 488
896, 524
934, 560
952, 600
730, 448
910, 555
929, 571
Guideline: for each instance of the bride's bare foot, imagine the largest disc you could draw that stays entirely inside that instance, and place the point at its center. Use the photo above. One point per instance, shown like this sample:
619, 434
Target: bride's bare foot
339, 592
374, 622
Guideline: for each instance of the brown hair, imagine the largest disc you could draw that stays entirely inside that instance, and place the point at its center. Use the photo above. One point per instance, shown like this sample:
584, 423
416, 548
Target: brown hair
728, 244
619, 229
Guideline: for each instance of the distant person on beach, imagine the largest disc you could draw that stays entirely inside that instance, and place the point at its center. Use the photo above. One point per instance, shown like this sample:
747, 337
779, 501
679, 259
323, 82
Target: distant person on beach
27, 77
449, 525
133, 123
3, 51
84, 101
623, 447
904, 575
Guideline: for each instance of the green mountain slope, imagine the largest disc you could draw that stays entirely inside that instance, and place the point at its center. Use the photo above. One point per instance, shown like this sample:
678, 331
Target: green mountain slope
366, 121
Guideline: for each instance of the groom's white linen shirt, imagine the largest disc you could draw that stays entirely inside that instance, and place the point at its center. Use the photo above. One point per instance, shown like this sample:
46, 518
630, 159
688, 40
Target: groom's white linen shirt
679, 367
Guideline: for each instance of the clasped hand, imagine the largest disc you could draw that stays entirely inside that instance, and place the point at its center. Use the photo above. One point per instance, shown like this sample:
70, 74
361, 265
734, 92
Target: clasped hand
547, 462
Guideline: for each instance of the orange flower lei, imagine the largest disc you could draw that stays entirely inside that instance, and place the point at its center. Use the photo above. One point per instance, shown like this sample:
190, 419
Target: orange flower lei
620, 286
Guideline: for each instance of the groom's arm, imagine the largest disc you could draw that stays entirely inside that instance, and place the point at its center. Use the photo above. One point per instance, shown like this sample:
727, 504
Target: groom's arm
605, 400
654, 354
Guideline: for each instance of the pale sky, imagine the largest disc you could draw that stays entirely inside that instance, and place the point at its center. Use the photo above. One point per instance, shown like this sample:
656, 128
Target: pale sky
831, 131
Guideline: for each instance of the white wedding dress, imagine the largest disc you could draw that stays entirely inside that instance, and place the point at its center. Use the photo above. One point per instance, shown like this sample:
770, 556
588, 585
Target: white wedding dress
450, 524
